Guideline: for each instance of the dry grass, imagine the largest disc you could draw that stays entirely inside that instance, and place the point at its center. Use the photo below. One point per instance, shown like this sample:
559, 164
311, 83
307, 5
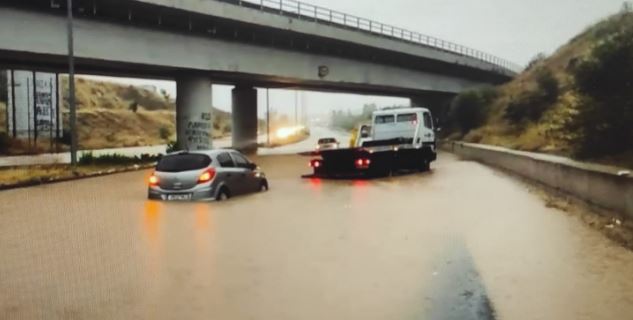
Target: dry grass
103, 128
15, 175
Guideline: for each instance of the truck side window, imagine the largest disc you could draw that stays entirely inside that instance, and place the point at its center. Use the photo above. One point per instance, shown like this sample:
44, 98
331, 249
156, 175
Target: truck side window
407, 117
385, 119
428, 122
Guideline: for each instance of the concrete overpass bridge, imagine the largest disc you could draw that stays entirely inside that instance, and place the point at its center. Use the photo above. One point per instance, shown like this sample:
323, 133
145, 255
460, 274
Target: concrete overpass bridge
255, 43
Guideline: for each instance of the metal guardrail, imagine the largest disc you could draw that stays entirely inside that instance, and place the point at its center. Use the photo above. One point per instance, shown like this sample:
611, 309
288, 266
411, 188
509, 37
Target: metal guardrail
309, 12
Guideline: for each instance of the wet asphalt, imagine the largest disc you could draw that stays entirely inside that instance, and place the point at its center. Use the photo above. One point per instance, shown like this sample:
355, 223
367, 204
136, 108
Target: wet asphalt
461, 242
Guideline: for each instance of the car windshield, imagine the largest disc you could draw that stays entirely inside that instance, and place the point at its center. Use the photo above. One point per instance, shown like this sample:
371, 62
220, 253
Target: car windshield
327, 140
183, 162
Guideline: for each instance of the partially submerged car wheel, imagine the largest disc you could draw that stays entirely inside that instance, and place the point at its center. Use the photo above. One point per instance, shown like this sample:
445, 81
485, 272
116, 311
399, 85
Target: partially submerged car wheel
223, 195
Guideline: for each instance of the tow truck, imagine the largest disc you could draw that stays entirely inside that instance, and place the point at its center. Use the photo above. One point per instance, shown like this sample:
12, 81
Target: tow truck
397, 140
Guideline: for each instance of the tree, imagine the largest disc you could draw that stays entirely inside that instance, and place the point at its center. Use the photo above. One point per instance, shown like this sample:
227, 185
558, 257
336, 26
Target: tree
469, 109
536, 60
133, 106
604, 83
531, 105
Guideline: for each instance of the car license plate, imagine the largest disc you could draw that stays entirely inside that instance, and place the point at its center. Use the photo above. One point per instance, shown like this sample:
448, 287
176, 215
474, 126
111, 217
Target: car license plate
179, 197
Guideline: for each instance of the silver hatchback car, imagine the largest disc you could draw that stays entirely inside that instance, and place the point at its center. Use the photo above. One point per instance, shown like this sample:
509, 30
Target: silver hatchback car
205, 175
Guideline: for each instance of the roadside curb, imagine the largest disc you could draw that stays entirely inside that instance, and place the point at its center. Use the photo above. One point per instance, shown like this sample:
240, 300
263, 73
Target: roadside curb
44, 181
596, 184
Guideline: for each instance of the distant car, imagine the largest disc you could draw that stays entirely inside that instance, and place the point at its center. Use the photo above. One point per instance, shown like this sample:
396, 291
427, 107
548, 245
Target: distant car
327, 144
205, 175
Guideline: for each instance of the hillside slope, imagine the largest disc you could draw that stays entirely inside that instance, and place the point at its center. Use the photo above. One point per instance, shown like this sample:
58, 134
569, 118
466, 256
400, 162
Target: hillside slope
553, 131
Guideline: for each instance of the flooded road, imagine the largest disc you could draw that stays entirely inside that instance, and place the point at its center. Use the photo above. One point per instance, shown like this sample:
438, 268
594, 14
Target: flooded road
461, 242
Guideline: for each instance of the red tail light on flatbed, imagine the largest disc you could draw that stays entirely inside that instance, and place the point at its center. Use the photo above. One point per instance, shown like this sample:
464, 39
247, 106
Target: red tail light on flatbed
362, 163
315, 163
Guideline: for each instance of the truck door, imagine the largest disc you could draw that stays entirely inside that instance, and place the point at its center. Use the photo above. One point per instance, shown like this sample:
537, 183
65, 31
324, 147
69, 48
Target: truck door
428, 134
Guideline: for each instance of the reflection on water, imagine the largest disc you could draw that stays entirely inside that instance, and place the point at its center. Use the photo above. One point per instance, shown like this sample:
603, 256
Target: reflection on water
202, 217
151, 222
315, 184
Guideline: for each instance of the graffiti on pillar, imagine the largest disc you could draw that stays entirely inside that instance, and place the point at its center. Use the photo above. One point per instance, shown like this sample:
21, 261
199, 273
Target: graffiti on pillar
198, 132
44, 106
32, 106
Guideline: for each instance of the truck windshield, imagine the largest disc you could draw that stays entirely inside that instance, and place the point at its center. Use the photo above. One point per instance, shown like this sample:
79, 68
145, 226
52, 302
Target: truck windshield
183, 162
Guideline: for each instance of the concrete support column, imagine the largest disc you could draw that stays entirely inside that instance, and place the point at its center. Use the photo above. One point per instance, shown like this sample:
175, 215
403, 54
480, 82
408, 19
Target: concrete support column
194, 123
244, 118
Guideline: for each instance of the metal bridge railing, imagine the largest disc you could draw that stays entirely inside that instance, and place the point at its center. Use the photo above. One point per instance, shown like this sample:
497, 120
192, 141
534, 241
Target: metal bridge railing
306, 11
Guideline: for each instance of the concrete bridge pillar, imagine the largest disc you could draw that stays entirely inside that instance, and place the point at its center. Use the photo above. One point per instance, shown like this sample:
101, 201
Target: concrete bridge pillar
194, 123
244, 118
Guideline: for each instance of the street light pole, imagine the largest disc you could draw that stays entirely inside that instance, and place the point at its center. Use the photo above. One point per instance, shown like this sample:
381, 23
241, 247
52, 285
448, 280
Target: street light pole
296, 102
267, 118
71, 85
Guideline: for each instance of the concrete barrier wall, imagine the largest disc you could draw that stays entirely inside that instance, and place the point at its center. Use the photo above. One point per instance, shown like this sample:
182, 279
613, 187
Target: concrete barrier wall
597, 184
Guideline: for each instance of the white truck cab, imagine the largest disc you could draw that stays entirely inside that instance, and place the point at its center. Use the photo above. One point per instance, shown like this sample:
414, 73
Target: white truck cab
410, 124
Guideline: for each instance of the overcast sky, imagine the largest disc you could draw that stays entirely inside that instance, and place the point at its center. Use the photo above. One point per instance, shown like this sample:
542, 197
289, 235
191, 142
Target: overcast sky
512, 29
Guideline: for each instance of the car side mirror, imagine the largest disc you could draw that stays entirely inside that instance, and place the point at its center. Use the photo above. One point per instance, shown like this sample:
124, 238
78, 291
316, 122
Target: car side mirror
252, 166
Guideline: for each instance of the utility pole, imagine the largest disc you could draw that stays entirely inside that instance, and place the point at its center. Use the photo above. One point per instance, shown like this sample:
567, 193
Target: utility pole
267, 117
296, 102
71, 85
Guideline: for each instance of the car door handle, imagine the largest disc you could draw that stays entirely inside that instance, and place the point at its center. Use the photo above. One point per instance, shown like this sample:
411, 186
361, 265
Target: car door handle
228, 175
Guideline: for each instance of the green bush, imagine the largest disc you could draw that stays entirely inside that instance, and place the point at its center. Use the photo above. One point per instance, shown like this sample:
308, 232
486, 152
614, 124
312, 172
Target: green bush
535, 61
5, 143
164, 133
604, 82
89, 158
469, 109
133, 106
172, 147
548, 85
531, 105
66, 137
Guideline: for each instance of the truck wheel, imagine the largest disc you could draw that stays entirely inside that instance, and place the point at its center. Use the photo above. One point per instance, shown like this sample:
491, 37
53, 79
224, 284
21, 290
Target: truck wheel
263, 186
426, 166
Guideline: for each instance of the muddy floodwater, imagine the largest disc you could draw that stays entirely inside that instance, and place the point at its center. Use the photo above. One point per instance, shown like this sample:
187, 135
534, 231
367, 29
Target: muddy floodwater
460, 242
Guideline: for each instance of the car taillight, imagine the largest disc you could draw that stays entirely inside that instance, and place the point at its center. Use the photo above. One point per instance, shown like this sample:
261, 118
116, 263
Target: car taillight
153, 180
362, 163
315, 163
207, 176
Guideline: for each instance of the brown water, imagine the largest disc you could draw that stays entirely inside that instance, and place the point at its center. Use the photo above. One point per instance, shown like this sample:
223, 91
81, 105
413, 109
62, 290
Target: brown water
451, 244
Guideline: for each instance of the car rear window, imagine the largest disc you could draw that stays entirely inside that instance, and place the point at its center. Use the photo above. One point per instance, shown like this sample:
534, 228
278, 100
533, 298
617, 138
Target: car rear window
183, 162
327, 140
385, 118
